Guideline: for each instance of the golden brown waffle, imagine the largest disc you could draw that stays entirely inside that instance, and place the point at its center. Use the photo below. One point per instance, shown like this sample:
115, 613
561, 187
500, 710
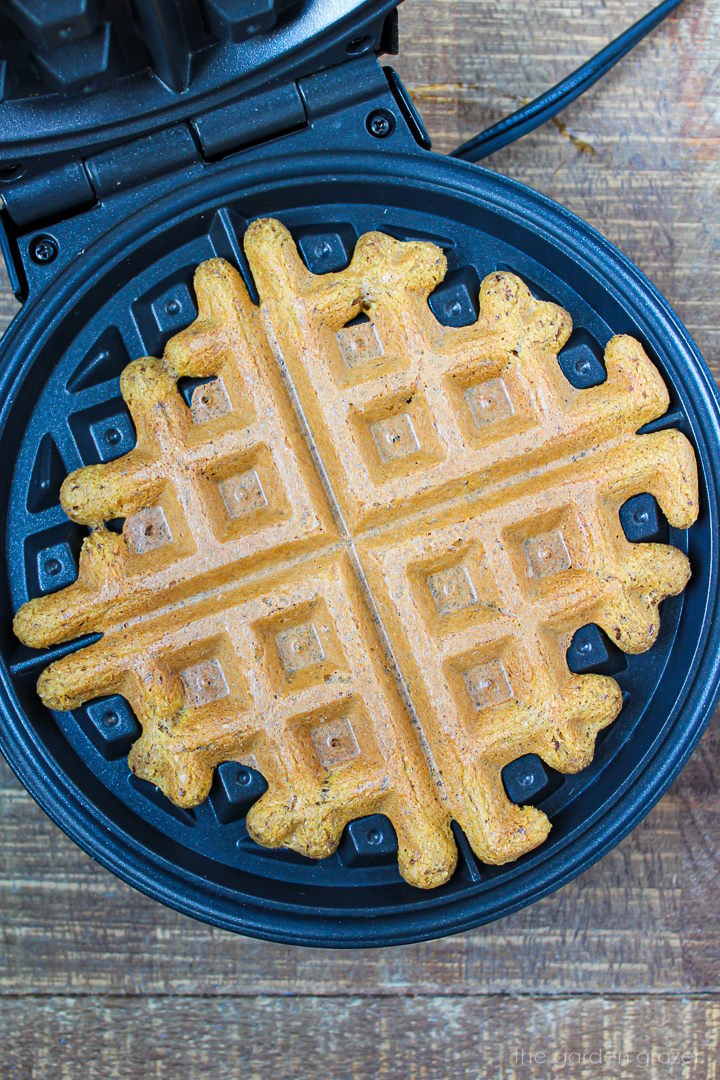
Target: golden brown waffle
357, 561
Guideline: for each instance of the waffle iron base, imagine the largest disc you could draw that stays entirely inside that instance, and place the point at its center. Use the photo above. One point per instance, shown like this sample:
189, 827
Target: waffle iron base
61, 407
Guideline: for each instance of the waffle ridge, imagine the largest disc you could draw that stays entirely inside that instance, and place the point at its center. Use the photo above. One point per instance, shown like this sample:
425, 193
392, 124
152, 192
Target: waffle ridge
357, 561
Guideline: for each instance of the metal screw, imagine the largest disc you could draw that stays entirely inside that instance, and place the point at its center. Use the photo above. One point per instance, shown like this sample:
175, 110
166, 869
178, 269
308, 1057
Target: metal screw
113, 436
380, 123
43, 249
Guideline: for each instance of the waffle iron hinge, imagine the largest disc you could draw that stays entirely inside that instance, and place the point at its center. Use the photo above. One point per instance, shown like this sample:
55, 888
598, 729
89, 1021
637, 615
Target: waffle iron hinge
50, 215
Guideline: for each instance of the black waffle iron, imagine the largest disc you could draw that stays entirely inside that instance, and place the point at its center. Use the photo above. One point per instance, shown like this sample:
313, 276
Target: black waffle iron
136, 140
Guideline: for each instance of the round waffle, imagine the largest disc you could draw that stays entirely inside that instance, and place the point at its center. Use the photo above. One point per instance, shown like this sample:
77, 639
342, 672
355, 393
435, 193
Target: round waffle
357, 560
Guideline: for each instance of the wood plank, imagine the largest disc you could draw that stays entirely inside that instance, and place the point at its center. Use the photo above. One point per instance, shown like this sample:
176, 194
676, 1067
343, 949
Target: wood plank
637, 156
8, 304
643, 919
357, 1039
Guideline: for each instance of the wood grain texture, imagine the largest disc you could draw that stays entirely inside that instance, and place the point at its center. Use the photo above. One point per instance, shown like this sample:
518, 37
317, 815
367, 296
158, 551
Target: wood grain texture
637, 156
97, 980
449, 1036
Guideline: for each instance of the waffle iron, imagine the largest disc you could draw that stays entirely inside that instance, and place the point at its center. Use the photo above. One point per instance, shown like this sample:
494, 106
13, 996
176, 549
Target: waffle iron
137, 140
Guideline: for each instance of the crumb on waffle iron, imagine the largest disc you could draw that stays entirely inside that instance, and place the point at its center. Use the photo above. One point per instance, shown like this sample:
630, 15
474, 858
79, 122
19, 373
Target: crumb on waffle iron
357, 561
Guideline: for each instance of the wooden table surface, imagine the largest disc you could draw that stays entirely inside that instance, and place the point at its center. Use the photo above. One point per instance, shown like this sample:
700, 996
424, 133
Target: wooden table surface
617, 974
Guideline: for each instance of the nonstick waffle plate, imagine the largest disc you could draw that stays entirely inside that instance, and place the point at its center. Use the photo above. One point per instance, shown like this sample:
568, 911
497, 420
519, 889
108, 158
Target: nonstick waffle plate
61, 408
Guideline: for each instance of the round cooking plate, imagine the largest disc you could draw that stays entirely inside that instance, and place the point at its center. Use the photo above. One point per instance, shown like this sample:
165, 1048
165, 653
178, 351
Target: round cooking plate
61, 408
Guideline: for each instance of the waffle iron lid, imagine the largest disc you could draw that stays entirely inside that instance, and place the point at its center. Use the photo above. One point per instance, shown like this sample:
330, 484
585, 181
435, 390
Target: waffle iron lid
81, 75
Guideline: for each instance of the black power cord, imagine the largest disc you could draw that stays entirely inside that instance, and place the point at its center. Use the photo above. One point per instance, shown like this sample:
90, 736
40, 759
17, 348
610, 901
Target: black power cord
554, 100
